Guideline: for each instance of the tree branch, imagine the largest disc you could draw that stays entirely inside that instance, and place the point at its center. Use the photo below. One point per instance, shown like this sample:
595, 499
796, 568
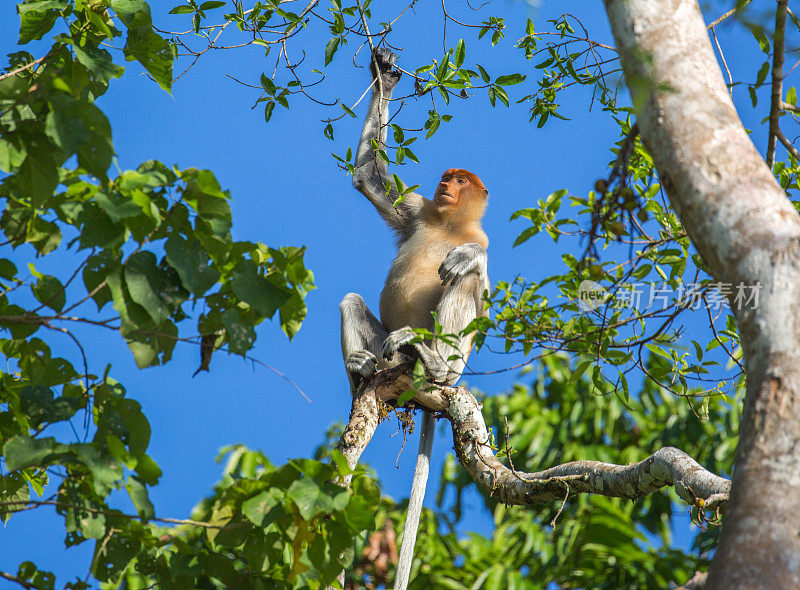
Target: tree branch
777, 81
27, 66
16, 580
787, 144
472, 442
20, 506
731, 12
697, 582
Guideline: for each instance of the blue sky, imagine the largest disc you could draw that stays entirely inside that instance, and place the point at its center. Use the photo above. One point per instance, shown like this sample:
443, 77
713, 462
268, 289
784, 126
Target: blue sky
287, 190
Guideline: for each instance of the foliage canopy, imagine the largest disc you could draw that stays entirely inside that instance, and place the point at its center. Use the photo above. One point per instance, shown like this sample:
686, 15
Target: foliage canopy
153, 248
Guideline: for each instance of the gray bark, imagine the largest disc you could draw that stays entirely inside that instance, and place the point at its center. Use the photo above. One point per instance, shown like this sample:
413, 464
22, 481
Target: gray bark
747, 232
472, 443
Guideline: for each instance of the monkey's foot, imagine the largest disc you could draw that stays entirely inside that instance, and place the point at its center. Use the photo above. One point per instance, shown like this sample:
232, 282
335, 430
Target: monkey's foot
361, 363
397, 339
389, 75
461, 261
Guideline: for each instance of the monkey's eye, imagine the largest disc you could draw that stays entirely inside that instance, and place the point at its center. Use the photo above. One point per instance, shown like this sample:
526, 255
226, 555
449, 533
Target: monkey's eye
462, 181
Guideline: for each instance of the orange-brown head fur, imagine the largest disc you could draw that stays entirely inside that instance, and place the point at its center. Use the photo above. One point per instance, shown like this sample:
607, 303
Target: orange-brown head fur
460, 196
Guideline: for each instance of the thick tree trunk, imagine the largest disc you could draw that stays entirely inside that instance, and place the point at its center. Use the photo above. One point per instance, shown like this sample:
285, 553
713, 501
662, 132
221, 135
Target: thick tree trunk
748, 233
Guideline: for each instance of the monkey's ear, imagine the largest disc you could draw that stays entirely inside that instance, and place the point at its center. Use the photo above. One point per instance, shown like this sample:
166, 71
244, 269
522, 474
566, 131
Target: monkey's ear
486, 193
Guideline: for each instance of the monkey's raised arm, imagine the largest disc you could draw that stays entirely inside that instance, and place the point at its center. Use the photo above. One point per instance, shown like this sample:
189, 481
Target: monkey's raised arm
371, 173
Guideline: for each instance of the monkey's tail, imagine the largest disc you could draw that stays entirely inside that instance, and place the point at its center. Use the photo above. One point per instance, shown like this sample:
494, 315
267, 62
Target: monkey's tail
415, 501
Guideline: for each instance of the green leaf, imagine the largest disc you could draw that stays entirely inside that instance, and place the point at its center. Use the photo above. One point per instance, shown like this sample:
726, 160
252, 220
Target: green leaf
37, 18
330, 49
136, 425
306, 494
24, 451
791, 96
760, 36
406, 396
502, 95
268, 108
12, 154
659, 351
81, 128
143, 44
510, 79
141, 501
117, 206
36, 578
150, 343
292, 314
762, 74
182, 9
642, 271
18, 322
411, 155
460, 53
147, 469
37, 178
192, 265
142, 277
7, 269
98, 61
525, 235
441, 70
50, 292
97, 229
268, 85
147, 345
95, 272
256, 290
239, 335
13, 488
41, 407
257, 507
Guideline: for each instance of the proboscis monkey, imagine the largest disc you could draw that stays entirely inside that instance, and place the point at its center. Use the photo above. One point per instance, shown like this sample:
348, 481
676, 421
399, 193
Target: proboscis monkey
441, 267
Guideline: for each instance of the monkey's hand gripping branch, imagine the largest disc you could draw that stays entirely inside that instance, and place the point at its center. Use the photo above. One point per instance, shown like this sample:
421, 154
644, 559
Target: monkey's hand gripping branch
666, 467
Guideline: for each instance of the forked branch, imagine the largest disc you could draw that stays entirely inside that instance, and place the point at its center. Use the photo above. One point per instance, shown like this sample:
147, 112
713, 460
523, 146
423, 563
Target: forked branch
666, 467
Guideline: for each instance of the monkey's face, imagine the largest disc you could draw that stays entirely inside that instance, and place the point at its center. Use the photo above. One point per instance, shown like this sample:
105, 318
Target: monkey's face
461, 191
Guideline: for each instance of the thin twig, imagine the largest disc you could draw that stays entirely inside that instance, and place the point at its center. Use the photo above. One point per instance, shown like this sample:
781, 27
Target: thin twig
560, 508
25, 67
16, 580
787, 144
724, 63
785, 106
731, 12
32, 504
